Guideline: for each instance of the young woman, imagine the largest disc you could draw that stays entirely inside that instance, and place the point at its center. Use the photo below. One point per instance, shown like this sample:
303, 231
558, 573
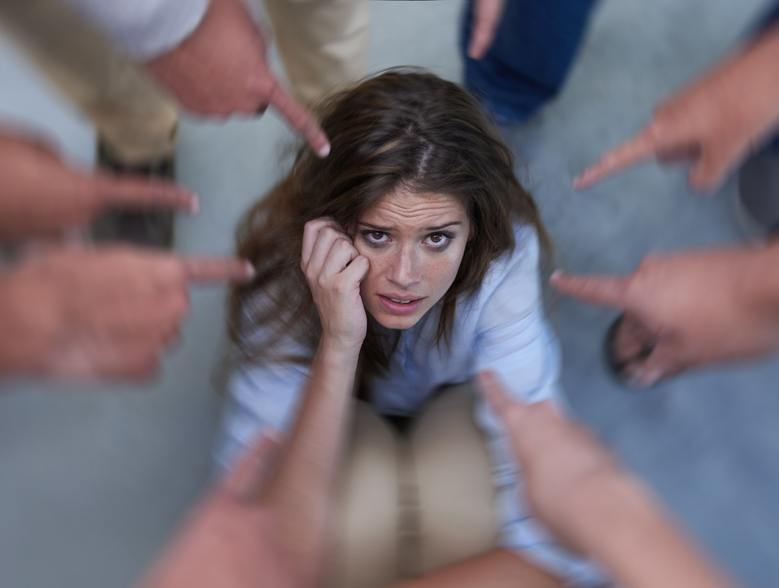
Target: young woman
392, 271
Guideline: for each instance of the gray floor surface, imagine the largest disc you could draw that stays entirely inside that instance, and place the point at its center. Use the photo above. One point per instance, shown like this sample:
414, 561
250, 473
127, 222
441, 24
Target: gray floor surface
92, 481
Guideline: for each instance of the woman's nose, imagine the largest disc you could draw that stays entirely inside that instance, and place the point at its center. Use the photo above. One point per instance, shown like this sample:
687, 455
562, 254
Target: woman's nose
405, 269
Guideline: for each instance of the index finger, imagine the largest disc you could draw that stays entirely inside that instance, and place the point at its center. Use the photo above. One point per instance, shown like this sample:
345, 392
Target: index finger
311, 233
218, 270
249, 472
638, 148
127, 191
492, 389
527, 423
301, 121
603, 291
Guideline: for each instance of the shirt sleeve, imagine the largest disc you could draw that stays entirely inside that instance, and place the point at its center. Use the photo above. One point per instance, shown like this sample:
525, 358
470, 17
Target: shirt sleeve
258, 397
143, 29
514, 340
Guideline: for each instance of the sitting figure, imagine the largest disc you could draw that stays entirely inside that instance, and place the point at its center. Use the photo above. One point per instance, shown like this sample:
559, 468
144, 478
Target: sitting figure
388, 275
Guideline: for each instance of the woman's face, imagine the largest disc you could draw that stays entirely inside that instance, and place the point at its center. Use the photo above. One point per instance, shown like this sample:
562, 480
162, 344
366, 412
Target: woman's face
415, 243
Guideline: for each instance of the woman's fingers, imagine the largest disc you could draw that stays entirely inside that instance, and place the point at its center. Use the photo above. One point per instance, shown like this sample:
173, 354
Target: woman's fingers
357, 269
311, 234
327, 239
341, 254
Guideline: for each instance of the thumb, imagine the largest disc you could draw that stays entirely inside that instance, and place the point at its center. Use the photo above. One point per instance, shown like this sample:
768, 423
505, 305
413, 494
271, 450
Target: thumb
602, 291
709, 170
129, 191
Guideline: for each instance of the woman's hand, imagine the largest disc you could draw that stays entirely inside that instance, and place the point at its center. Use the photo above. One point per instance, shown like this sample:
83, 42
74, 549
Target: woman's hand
334, 270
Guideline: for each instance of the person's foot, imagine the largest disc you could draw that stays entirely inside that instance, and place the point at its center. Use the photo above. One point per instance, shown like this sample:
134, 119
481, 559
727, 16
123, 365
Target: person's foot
152, 228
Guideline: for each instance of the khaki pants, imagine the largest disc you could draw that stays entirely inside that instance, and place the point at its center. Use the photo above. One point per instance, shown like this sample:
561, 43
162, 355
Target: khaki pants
411, 504
323, 43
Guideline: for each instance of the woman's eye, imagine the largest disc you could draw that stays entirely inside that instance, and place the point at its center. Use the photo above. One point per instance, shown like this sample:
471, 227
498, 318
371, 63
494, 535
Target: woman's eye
438, 240
375, 237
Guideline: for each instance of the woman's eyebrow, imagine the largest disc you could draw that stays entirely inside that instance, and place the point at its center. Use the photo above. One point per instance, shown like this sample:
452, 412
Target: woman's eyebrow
375, 228
390, 229
443, 226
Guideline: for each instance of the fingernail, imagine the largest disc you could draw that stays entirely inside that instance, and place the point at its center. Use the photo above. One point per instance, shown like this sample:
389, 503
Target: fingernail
556, 274
251, 272
324, 151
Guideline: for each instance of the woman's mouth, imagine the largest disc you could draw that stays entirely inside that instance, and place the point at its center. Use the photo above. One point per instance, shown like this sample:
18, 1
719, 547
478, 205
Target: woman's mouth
399, 305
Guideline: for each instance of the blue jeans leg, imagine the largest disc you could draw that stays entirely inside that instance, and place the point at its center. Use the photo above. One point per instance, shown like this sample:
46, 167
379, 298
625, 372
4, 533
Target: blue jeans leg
535, 44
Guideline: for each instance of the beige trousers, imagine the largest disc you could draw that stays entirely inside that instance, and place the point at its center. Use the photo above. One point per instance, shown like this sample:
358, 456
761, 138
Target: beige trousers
411, 504
323, 44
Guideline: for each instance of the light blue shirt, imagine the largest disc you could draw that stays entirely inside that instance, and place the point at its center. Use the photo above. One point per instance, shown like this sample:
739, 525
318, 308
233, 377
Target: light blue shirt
502, 327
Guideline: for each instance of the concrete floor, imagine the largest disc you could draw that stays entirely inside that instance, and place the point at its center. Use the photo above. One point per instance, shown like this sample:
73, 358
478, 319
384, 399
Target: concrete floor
92, 481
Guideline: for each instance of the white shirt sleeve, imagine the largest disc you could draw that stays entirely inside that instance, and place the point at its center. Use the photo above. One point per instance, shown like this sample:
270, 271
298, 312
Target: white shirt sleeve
143, 29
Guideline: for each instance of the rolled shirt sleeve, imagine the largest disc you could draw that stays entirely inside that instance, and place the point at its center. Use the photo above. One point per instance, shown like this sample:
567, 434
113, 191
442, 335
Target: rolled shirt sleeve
514, 340
143, 29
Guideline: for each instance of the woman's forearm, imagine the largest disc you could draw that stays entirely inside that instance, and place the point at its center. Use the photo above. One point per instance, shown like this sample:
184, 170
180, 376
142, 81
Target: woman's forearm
625, 530
302, 490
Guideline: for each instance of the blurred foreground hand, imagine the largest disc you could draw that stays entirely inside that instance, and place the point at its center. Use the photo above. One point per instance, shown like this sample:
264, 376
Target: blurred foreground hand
695, 308
221, 69
576, 488
40, 195
559, 460
99, 314
714, 123
228, 540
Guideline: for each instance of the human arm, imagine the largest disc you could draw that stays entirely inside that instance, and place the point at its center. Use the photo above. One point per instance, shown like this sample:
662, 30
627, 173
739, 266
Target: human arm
209, 54
577, 488
228, 539
302, 491
715, 122
696, 308
42, 195
98, 314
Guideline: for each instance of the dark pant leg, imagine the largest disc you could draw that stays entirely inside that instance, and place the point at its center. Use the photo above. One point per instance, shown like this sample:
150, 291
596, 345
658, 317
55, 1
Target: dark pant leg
526, 66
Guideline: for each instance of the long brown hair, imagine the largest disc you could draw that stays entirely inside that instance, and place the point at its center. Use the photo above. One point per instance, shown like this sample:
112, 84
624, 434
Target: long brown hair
403, 128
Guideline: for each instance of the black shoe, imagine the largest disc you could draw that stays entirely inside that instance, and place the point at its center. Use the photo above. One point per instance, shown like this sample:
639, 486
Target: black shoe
618, 367
757, 201
152, 228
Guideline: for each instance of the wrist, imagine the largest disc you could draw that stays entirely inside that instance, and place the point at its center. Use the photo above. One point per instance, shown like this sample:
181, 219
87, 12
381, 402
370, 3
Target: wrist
337, 353
340, 347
